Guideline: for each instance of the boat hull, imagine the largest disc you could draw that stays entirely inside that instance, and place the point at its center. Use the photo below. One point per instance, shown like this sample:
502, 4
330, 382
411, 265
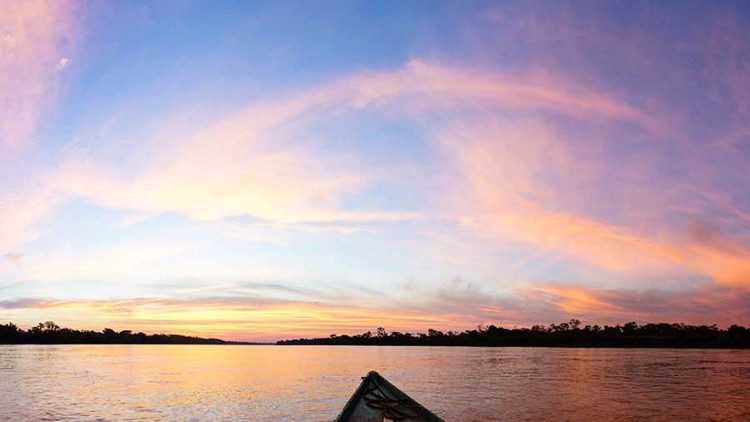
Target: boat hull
377, 400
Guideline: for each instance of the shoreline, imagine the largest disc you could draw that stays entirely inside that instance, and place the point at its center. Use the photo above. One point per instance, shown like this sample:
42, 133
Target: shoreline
395, 345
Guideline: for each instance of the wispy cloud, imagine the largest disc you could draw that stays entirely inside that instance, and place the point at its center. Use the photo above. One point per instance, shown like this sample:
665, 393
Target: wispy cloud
262, 161
15, 258
21, 208
456, 306
701, 305
572, 161
35, 36
259, 162
524, 181
250, 318
115, 262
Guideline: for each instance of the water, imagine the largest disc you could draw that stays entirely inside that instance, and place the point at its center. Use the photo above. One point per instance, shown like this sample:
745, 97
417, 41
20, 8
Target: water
308, 383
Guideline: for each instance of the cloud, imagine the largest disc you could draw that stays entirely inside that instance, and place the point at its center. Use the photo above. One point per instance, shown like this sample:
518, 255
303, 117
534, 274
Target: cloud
701, 305
62, 63
626, 175
114, 262
262, 162
15, 258
524, 181
250, 318
454, 87
457, 305
21, 208
265, 160
462, 304
32, 36
268, 160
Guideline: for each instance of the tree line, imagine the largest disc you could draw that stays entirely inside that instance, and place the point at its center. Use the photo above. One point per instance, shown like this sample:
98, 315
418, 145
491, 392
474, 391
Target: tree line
50, 333
566, 334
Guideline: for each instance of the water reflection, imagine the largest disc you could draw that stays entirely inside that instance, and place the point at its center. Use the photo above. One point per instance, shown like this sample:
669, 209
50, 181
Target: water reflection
137, 382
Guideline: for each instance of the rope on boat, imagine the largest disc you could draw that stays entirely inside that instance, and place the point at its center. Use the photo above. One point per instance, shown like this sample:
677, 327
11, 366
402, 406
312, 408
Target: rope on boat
393, 409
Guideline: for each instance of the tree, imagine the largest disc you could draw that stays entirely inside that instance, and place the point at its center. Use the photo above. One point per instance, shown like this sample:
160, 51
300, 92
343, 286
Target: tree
109, 334
629, 327
50, 326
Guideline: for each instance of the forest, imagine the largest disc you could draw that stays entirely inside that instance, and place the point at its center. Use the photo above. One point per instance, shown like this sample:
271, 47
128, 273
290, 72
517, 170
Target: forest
566, 334
50, 333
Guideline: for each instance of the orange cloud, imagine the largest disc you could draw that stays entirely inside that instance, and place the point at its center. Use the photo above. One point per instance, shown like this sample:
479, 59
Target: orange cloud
265, 160
261, 161
454, 87
521, 181
226, 317
722, 305
457, 307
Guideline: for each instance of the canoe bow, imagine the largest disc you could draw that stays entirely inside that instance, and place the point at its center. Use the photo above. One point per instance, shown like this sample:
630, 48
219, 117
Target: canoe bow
377, 400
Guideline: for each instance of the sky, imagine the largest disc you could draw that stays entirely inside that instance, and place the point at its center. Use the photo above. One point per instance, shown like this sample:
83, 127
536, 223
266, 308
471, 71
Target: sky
267, 170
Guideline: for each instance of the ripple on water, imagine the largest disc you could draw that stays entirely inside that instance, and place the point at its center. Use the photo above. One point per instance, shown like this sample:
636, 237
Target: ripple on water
269, 383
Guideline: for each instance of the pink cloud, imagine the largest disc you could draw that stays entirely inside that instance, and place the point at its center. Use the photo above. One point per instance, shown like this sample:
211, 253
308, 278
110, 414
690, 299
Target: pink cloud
701, 305
35, 37
250, 318
15, 258
259, 161
521, 180
458, 306
20, 210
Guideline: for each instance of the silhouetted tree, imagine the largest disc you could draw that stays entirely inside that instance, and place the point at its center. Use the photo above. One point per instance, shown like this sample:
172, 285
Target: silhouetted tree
565, 334
48, 332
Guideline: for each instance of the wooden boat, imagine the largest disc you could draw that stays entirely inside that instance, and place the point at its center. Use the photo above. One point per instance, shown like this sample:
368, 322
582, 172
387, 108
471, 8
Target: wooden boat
377, 400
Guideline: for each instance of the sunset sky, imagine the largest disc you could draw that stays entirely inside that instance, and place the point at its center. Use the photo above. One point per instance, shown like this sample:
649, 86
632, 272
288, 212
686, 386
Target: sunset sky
260, 171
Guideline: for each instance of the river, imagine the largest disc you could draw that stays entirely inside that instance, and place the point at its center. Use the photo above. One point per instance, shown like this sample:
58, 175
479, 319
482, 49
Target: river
312, 383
